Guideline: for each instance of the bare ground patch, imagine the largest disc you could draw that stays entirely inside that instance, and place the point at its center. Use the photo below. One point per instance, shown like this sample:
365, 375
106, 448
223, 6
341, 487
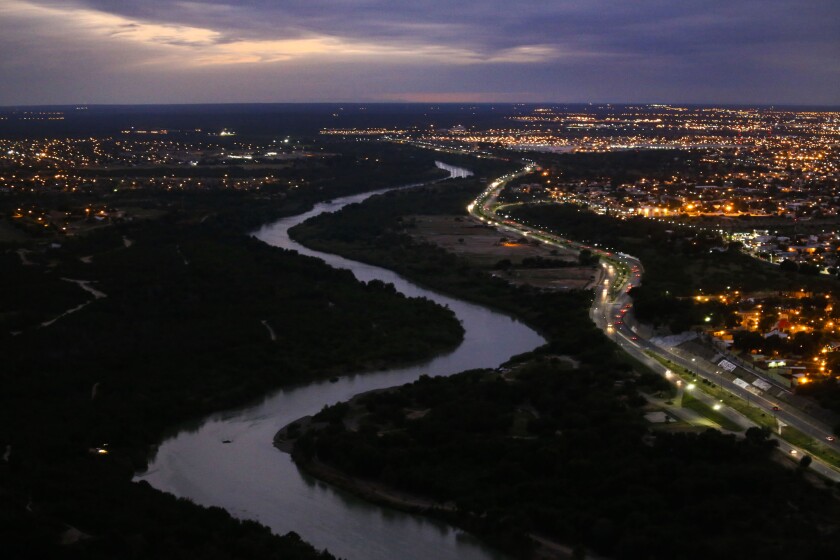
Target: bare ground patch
484, 246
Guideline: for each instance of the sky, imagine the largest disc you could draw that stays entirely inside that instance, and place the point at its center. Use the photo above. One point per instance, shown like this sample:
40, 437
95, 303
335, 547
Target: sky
208, 51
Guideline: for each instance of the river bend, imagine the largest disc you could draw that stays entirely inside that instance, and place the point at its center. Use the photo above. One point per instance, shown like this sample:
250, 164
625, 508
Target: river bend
251, 479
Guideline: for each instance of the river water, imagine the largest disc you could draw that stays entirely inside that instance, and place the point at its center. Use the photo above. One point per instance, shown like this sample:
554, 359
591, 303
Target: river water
252, 480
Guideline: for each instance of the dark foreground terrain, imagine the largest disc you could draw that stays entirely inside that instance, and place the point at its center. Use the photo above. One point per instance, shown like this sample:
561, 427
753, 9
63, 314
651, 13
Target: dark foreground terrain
547, 447
113, 337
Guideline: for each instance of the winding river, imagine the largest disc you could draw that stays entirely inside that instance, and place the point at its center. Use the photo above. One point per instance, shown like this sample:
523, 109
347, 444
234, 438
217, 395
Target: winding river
252, 480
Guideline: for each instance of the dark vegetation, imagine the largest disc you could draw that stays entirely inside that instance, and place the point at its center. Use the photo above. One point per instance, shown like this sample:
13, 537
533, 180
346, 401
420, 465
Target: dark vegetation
192, 301
614, 169
178, 335
543, 448
347, 168
624, 167
563, 453
826, 392
376, 231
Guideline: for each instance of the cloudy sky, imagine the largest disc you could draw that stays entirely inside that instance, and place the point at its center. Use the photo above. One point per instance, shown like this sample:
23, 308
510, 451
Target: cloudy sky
164, 51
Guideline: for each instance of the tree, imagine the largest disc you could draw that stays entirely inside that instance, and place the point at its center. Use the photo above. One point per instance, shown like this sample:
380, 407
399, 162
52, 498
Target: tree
766, 322
586, 258
788, 266
503, 264
810, 269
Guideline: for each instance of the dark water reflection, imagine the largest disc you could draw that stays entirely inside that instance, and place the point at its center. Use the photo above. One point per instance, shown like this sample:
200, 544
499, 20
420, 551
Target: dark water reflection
252, 480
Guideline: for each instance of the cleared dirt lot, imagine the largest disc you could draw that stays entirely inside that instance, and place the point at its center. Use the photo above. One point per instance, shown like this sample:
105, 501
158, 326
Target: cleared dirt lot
484, 246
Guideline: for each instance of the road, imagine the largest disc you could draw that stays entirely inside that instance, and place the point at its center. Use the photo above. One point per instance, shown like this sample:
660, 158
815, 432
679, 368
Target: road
613, 306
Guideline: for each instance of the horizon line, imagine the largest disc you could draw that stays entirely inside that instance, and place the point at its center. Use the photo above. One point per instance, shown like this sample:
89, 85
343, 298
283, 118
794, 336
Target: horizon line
447, 103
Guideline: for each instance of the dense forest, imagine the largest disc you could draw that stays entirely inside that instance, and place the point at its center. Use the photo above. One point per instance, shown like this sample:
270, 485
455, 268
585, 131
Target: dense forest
547, 447
548, 450
377, 231
110, 338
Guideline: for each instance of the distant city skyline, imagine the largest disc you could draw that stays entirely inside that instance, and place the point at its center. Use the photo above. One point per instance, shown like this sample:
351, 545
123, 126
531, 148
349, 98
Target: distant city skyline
211, 51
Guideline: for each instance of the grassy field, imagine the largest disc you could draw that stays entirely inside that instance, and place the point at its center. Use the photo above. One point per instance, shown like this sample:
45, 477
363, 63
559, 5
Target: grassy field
483, 246
810, 445
754, 414
693, 403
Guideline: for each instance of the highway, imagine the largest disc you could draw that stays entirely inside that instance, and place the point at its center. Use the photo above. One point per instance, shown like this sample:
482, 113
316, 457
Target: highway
612, 309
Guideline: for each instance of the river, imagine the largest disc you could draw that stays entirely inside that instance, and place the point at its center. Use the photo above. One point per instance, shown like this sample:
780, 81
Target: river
252, 480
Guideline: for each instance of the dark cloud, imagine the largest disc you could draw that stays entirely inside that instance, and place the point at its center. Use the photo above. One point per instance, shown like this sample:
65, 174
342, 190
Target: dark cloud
722, 50
686, 26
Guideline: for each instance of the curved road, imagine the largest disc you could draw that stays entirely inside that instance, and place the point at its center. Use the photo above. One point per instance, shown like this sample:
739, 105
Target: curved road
612, 305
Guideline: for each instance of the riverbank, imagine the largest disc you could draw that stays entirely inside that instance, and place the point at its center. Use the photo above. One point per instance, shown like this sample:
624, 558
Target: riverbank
81, 411
369, 490
223, 461
534, 452
377, 492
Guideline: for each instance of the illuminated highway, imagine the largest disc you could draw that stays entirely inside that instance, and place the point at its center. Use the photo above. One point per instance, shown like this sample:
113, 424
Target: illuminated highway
612, 311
